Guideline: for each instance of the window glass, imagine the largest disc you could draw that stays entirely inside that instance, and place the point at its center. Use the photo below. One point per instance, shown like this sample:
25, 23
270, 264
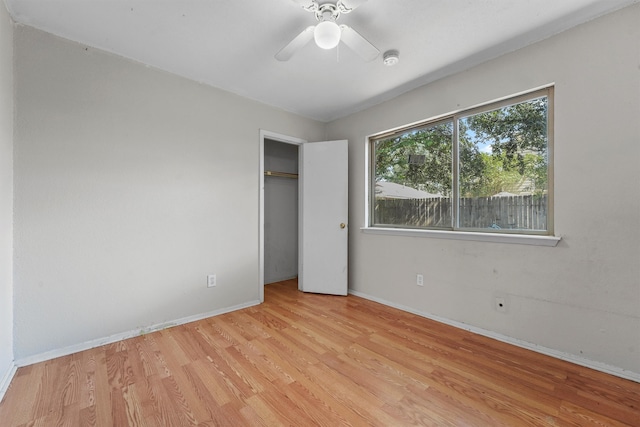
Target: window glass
413, 179
485, 169
503, 167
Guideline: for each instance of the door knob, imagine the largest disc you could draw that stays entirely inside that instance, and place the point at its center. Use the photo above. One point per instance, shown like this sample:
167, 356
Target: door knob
343, 225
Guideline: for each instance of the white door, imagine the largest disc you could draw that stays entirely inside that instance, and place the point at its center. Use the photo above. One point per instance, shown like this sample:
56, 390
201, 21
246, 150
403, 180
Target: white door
323, 217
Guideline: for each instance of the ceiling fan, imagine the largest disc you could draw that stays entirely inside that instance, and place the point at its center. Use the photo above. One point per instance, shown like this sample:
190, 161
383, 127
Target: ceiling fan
327, 34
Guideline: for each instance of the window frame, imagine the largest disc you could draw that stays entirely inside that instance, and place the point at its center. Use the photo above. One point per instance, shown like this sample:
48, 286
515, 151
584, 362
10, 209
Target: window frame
537, 237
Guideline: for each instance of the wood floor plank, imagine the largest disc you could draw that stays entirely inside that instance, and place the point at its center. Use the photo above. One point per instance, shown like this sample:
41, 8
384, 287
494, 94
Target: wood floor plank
265, 360
180, 406
258, 413
319, 408
200, 384
17, 407
87, 379
305, 359
377, 386
87, 416
574, 415
145, 353
375, 362
161, 412
431, 400
214, 381
603, 396
362, 402
102, 393
50, 388
279, 407
412, 412
505, 407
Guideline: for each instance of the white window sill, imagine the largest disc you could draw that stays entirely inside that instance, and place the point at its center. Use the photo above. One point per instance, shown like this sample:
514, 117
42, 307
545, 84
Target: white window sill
520, 239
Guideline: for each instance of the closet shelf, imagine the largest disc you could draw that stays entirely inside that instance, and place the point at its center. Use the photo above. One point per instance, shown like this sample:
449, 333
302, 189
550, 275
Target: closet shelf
281, 174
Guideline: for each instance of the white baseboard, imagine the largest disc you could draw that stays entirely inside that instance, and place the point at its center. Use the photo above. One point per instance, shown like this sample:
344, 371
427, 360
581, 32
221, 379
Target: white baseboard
568, 357
48, 355
5, 380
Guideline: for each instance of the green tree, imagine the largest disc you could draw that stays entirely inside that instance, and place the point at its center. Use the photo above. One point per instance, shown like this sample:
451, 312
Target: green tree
517, 135
517, 131
495, 177
432, 173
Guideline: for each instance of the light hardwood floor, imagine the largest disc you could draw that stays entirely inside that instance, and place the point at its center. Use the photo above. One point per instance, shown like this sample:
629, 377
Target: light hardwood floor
302, 360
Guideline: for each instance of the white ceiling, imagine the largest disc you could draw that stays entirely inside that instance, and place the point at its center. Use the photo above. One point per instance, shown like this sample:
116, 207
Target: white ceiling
230, 44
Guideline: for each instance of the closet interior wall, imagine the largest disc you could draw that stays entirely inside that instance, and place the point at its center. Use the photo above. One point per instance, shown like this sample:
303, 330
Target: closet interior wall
280, 211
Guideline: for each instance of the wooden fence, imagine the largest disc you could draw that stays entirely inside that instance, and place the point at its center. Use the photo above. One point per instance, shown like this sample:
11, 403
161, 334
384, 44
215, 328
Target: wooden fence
505, 212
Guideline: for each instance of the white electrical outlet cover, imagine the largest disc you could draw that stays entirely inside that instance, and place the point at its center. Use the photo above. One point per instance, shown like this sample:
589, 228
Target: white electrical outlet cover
211, 280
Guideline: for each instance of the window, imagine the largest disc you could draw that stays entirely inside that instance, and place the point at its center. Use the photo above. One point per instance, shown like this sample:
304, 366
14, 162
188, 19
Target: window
486, 169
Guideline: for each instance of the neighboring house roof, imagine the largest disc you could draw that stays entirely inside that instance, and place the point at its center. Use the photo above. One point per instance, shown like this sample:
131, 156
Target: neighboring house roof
391, 190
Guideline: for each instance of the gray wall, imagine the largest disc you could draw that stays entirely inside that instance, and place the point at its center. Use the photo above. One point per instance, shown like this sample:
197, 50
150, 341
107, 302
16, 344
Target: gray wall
131, 186
280, 212
6, 195
581, 298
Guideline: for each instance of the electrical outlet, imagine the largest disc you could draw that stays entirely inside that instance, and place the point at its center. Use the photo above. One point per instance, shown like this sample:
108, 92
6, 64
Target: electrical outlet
211, 280
419, 280
501, 305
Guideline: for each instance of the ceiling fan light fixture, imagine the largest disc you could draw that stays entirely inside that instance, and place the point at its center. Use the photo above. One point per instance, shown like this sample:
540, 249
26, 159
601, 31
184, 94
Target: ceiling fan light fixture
327, 34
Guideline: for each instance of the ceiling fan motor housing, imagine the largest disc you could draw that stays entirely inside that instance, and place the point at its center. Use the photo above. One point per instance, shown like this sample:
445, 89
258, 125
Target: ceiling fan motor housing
327, 12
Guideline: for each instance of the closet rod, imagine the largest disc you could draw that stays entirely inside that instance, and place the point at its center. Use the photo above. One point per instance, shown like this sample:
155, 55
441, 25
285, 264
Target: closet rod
281, 174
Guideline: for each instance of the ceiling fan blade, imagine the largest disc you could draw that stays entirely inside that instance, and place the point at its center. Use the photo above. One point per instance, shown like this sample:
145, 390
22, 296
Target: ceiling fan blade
296, 44
358, 44
306, 4
346, 6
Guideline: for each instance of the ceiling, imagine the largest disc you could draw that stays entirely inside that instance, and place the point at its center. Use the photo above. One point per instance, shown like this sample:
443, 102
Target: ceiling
230, 44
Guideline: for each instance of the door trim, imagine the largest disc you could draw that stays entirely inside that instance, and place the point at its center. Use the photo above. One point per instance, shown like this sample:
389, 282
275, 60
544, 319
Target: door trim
264, 134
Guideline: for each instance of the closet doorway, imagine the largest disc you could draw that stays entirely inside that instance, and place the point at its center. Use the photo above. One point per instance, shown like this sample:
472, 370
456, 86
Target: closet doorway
279, 197
280, 211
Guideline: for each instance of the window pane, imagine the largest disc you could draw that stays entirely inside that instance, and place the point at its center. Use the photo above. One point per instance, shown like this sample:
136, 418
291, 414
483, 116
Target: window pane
413, 178
503, 168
